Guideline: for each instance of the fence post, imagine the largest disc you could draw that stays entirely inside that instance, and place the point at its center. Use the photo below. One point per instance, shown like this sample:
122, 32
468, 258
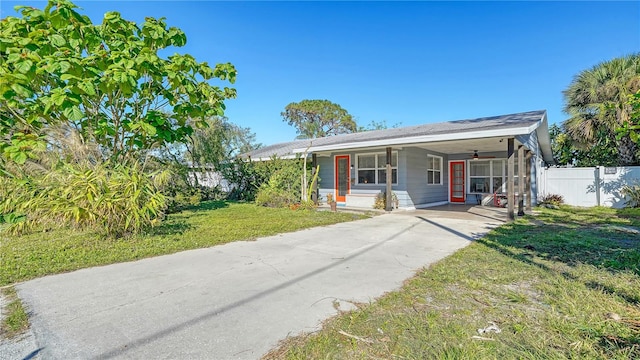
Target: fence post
596, 178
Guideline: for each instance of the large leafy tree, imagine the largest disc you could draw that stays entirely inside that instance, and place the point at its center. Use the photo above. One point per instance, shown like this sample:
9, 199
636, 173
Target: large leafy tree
631, 128
218, 146
597, 103
220, 142
565, 152
107, 82
210, 151
377, 125
318, 118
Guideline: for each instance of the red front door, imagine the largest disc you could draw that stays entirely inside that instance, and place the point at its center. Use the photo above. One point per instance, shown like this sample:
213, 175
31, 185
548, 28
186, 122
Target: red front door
342, 178
456, 181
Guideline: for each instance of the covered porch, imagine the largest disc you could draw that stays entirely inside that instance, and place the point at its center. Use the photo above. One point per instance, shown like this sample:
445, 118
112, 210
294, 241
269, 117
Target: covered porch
478, 171
494, 161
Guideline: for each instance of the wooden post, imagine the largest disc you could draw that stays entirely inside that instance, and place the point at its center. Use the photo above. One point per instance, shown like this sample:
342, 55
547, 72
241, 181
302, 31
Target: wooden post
527, 179
510, 187
521, 180
314, 186
389, 179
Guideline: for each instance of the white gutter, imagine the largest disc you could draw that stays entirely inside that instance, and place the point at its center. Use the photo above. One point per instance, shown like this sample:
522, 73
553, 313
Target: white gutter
283, 157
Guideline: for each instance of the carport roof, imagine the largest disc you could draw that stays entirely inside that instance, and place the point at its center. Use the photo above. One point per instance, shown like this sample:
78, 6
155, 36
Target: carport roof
503, 125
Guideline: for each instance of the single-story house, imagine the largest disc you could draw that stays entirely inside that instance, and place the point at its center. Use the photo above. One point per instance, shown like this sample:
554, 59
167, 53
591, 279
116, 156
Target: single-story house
454, 162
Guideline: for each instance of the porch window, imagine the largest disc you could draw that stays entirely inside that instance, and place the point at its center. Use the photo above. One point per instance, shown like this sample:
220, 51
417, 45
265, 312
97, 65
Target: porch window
434, 170
488, 176
499, 176
372, 168
480, 178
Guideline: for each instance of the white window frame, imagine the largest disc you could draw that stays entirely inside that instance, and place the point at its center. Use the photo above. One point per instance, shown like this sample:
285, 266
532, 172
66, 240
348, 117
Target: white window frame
489, 162
377, 167
491, 176
434, 170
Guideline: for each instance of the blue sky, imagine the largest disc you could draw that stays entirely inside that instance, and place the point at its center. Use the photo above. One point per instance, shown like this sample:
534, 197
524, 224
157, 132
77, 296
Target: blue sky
399, 62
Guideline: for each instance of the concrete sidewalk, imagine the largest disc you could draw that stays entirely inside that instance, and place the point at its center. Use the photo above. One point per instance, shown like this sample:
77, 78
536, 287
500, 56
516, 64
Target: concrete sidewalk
235, 301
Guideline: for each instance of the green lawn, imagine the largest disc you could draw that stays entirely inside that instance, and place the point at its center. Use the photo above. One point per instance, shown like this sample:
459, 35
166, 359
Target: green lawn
212, 223
564, 284
15, 319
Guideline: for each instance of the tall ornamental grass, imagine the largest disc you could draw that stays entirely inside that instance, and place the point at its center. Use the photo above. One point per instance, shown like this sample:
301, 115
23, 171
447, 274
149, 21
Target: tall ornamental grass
119, 199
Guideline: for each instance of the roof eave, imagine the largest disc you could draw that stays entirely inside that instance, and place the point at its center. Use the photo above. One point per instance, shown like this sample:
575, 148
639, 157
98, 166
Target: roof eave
424, 139
544, 140
283, 157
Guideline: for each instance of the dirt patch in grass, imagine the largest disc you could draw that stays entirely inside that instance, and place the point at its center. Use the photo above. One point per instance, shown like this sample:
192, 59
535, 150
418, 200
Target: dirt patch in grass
523, 292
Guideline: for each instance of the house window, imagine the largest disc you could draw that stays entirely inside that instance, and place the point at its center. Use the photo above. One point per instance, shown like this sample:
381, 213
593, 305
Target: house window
434, 170
480, 176
489, 176
372, 168
498, 171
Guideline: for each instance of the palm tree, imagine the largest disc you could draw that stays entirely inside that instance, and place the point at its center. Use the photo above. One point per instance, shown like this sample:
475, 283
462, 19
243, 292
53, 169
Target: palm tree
597, 103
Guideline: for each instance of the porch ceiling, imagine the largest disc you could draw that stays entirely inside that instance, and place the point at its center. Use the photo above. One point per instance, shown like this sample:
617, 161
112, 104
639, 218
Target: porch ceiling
483, 145
467, 146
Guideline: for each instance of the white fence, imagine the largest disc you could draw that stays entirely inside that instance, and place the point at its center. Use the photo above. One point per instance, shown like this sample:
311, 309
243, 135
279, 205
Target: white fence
210, 179
594, 186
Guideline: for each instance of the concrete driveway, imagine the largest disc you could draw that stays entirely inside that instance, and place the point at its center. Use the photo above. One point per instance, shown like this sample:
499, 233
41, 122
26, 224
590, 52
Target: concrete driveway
236, 301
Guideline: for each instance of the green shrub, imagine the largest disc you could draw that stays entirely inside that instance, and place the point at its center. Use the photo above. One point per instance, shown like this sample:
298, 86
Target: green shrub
120, 199
307, 205
303, 205
271, 197
633, 193
551, 199
244, 176
181, 195
284, 183
381, 201
182, 190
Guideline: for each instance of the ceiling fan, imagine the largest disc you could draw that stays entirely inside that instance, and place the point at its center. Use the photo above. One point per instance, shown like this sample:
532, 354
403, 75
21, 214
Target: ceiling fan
475, 156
